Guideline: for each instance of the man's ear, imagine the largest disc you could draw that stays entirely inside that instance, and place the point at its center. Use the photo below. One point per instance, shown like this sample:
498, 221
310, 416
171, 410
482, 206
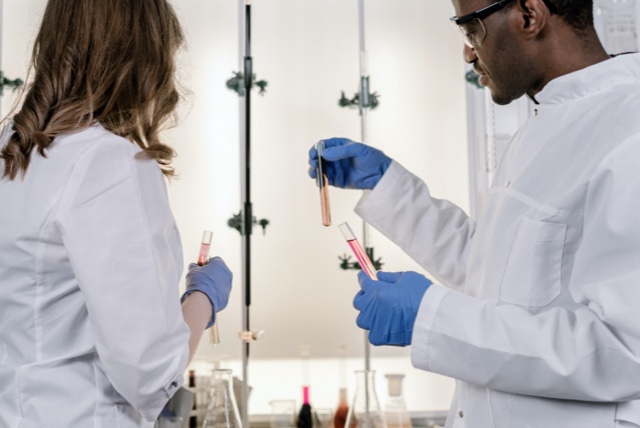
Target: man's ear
533, 16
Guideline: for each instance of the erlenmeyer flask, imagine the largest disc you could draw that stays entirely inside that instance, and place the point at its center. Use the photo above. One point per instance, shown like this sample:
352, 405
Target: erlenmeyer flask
365, 412
395, 408
222, 409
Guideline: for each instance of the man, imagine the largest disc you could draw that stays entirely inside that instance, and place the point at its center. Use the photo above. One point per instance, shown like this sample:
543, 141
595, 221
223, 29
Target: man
539, 319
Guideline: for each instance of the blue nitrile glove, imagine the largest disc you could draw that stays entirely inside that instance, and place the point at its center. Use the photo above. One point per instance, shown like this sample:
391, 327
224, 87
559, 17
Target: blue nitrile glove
350, 165
214, 280
388, 307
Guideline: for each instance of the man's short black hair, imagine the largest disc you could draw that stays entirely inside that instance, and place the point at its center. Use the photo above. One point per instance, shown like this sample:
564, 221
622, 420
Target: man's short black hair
576, 13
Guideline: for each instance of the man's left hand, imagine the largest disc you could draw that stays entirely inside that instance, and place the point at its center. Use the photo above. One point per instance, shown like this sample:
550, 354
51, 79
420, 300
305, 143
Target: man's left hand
388, 307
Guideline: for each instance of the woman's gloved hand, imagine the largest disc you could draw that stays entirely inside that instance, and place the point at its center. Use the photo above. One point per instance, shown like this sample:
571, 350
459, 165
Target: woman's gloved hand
388, 307
213, 279
350, 165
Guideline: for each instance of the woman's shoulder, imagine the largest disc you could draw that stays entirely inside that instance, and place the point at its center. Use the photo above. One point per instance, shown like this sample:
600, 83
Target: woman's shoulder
96, 136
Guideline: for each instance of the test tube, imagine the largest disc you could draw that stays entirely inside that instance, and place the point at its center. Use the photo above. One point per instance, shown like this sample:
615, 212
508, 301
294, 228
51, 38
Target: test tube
205, 246
358, 251
323, 184
203, 259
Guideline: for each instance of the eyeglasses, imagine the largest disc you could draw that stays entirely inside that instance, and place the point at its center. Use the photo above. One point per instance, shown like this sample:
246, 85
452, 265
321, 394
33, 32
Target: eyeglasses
471, 26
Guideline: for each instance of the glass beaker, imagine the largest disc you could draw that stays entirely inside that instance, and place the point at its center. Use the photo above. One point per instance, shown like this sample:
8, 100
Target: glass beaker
323, 418
283, 413
222, 409
365, 412
395, 408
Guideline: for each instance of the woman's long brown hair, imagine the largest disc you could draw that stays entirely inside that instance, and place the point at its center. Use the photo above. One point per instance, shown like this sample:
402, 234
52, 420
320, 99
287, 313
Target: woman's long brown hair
110, 61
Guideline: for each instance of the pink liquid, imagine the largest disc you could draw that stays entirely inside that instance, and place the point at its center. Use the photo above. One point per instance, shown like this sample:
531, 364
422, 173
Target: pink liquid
203, 258
363, 259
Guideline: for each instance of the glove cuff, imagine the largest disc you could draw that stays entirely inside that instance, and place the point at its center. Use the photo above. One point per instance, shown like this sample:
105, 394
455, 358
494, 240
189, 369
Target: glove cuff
213, 308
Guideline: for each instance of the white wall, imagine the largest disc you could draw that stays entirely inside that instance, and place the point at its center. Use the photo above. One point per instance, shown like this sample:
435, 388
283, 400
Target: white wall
308, 52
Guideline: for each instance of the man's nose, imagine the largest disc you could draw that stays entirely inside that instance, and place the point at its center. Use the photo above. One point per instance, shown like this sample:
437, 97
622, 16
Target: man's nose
469, 54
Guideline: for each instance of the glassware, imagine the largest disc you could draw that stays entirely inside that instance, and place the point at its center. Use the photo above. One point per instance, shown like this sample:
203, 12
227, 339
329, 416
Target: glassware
323, 418
205, 245
323, 185
358, 251
283, 413
395, 408
365, 410
222, 409
203, 259
305, 416
340, 417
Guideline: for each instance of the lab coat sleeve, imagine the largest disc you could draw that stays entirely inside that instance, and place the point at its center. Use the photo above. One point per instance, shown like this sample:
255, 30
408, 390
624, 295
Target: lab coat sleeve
125, 251
435, 233
589, 352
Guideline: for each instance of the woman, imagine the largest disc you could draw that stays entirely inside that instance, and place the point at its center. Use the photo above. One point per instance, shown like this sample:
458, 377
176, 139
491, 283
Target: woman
92, 332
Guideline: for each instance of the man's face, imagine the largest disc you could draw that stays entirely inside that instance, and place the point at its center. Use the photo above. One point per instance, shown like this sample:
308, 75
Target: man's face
499, 58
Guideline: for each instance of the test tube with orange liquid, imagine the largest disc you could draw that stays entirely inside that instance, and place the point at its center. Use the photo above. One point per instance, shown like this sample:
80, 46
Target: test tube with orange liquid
203, 259
323, 184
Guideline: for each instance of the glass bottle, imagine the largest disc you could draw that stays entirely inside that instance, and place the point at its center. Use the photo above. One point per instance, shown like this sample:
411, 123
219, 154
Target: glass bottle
305, 416
340, 417
395, 408
365, 410
222, 409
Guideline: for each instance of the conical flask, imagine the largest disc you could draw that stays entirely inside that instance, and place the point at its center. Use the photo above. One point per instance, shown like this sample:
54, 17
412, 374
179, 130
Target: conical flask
222, 409
365, 412
395, 408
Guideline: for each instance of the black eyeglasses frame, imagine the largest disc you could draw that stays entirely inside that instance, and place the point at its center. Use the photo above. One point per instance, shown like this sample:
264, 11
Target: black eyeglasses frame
481, 13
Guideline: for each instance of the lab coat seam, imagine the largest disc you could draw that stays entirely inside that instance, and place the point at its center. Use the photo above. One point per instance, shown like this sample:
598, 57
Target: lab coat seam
144, 215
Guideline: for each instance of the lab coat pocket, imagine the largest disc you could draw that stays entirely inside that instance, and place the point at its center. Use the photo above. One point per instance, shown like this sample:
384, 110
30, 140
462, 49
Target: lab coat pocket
128, 417
628, 412
532, 274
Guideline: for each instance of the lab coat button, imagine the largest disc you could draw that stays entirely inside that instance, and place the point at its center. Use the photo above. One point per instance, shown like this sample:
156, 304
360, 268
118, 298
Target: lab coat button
535, 112
508, 183
461, 414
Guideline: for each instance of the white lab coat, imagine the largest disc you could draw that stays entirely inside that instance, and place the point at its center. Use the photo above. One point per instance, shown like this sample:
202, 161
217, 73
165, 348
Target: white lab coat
540, 320
91, 330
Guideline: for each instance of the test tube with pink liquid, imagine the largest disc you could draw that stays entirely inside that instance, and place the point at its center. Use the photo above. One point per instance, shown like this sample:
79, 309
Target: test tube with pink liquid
203, 259
358, 251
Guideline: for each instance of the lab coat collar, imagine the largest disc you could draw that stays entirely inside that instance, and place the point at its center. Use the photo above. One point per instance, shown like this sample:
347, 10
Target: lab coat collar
600, 76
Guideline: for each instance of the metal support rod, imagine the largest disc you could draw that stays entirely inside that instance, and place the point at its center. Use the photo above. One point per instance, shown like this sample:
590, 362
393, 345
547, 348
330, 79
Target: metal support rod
364, 137
1, 34
244, 17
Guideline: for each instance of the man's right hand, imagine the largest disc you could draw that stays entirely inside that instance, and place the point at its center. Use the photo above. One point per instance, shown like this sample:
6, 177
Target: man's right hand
350, 165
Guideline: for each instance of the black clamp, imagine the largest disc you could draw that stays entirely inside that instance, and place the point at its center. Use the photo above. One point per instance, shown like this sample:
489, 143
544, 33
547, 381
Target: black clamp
237, 83
235, 222
473, 78
14, 84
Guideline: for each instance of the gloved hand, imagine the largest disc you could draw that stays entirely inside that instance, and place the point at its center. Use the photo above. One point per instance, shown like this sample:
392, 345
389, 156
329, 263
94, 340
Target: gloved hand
350, 165
214, 280
388, 307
